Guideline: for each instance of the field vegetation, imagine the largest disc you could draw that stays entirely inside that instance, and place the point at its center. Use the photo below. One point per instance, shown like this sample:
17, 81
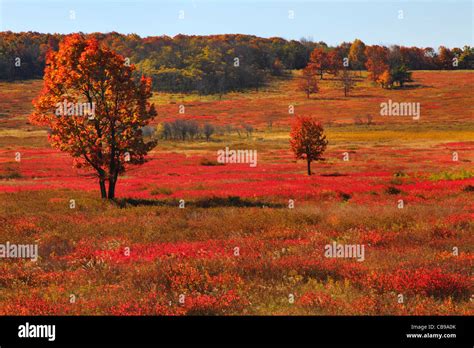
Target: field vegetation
251, 240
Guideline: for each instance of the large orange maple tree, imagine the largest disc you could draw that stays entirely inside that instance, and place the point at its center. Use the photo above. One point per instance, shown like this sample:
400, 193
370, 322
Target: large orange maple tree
108, 136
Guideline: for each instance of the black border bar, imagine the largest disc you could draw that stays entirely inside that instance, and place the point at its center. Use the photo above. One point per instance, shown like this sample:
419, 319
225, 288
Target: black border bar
249, 330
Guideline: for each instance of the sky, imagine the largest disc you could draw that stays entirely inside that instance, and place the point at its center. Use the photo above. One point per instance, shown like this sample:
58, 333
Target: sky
410, 23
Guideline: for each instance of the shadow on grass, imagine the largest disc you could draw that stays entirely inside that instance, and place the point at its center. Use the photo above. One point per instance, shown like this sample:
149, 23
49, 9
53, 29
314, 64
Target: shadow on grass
411, 86
355, 96
333, 174
213, 202
329, 98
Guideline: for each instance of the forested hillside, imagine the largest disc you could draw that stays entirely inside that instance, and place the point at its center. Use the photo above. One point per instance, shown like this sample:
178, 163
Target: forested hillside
219, 63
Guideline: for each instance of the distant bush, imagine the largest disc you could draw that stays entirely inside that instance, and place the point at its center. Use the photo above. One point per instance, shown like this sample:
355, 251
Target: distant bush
400, 174
160, 191
468, 188
208, 130
10, 174
208, 162
344, 196
248, 129
392, 190
148, 131
181, 130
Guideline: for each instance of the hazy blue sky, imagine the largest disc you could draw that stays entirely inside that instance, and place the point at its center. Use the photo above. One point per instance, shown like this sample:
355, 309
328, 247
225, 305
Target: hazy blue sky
424, 23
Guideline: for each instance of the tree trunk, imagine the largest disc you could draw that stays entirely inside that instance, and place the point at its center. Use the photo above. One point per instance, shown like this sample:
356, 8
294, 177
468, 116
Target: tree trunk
112, 183
309, 167
103, 191
113, 176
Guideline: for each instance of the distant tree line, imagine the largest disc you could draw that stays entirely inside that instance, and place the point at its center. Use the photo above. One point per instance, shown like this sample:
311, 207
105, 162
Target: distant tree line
218, 64
23, 55
388, 66
182, 129
205, 64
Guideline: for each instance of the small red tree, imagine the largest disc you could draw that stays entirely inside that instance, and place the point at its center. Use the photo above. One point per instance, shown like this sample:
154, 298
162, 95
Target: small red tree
319, 60
346, 81
308, 82
83, 72
307, 140
334, 62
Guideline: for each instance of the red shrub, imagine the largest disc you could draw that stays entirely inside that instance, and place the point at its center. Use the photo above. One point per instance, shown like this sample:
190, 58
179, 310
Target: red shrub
429, 282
